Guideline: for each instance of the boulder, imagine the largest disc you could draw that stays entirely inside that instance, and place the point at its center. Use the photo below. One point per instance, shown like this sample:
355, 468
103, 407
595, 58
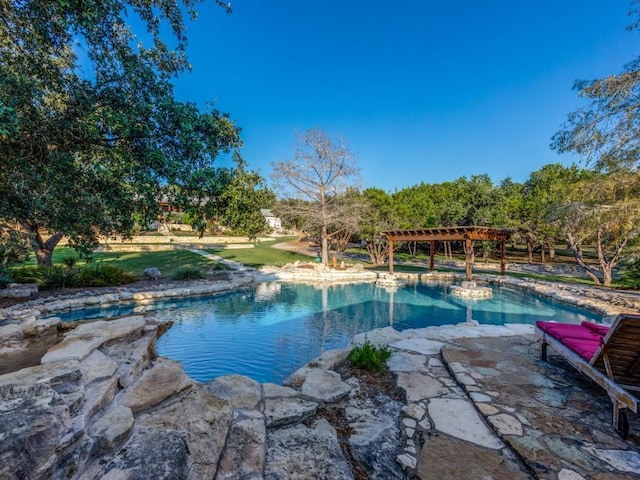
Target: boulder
33, 421
164, 379
325, 386
203, 422
112, 429
244, 456
303, 452
152, 273
285, 411
157, 454
240, 391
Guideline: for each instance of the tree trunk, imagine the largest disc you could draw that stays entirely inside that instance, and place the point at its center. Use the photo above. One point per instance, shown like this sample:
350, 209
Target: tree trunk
530, 250
552, 251
576, 249
325, 246
542, 259
44, 250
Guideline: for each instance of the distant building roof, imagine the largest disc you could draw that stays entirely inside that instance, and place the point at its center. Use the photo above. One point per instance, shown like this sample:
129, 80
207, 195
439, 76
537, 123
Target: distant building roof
266, 212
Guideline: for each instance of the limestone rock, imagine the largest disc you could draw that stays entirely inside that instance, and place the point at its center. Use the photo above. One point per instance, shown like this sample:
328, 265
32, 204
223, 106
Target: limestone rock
97, 366
458, 418
164, 379
301, 452
407, 362
240, 391
203, 422
419, 387
244, 456
151, 273
285, 411
33, 421
113, 428
154, 454
444, 457
271, 390
325, 386
81, 341
375, 438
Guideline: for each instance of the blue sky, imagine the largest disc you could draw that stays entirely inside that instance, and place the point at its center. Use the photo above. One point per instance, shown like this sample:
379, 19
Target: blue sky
421, 91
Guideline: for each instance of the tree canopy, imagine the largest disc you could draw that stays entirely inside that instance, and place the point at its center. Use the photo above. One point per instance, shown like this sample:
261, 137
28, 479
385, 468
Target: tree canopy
90, 131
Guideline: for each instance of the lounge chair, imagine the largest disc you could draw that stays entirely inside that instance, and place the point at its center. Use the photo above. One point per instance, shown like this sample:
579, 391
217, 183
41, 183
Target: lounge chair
609, 356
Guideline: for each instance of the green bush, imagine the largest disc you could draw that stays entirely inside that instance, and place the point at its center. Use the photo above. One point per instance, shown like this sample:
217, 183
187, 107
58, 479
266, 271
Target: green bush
104, 276
5, 277
70, 261
188, 273
56, 278
370, 357
631, 273
28, 274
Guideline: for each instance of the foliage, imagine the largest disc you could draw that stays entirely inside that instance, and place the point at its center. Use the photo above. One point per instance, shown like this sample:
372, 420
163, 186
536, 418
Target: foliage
370, 357
69, 261
604, 211
243, 198
606, 131
377, 217
59, 276
26, 274
101, 275
14, 248
88, 140
631, 273
188, 273
321, 171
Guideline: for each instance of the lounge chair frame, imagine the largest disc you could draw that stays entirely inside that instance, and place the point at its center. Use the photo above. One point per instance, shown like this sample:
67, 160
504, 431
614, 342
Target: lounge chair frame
601, 371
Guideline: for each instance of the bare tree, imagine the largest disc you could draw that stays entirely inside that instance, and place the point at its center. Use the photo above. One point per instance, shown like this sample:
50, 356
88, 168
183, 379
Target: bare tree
320, 173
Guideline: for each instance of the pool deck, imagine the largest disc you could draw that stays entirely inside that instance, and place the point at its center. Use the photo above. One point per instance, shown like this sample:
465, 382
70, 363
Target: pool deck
538, 419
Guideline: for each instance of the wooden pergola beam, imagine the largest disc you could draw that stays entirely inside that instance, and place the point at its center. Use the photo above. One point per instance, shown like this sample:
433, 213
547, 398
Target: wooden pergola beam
466, 234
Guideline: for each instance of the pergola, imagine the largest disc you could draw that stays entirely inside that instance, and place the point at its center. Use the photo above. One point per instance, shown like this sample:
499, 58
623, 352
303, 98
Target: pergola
467, 234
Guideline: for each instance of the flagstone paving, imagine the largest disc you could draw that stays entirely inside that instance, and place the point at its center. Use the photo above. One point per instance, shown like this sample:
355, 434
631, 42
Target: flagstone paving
555, 419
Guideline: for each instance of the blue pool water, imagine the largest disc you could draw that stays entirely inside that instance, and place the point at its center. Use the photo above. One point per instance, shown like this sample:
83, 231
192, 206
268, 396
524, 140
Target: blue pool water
266, 333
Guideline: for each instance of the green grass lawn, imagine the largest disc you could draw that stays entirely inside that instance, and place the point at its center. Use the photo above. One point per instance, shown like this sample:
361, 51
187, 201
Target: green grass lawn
168, 262
262, 254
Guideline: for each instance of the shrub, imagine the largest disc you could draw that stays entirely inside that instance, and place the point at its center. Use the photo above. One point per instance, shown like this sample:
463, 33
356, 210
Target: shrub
70, 261
57, 277
28, 274
188, 273
5, 277
104, 276
631, 273
370, 357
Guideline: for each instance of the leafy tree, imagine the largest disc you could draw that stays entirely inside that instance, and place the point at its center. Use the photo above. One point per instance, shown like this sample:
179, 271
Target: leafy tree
378, 217
604, 211
542, 194
14, 248
319, 174
85, 144
245, 195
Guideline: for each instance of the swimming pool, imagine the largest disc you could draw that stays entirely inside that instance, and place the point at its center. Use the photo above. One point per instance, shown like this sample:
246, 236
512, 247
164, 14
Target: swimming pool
269, 331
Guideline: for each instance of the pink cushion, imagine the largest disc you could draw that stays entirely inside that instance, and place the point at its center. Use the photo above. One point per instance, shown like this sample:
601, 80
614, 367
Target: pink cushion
584, 348
560, 331
601, 330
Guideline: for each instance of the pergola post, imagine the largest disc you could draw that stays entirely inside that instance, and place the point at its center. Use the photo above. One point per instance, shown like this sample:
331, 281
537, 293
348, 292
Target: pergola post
502, 258
468, 258
390, 257
431, 251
